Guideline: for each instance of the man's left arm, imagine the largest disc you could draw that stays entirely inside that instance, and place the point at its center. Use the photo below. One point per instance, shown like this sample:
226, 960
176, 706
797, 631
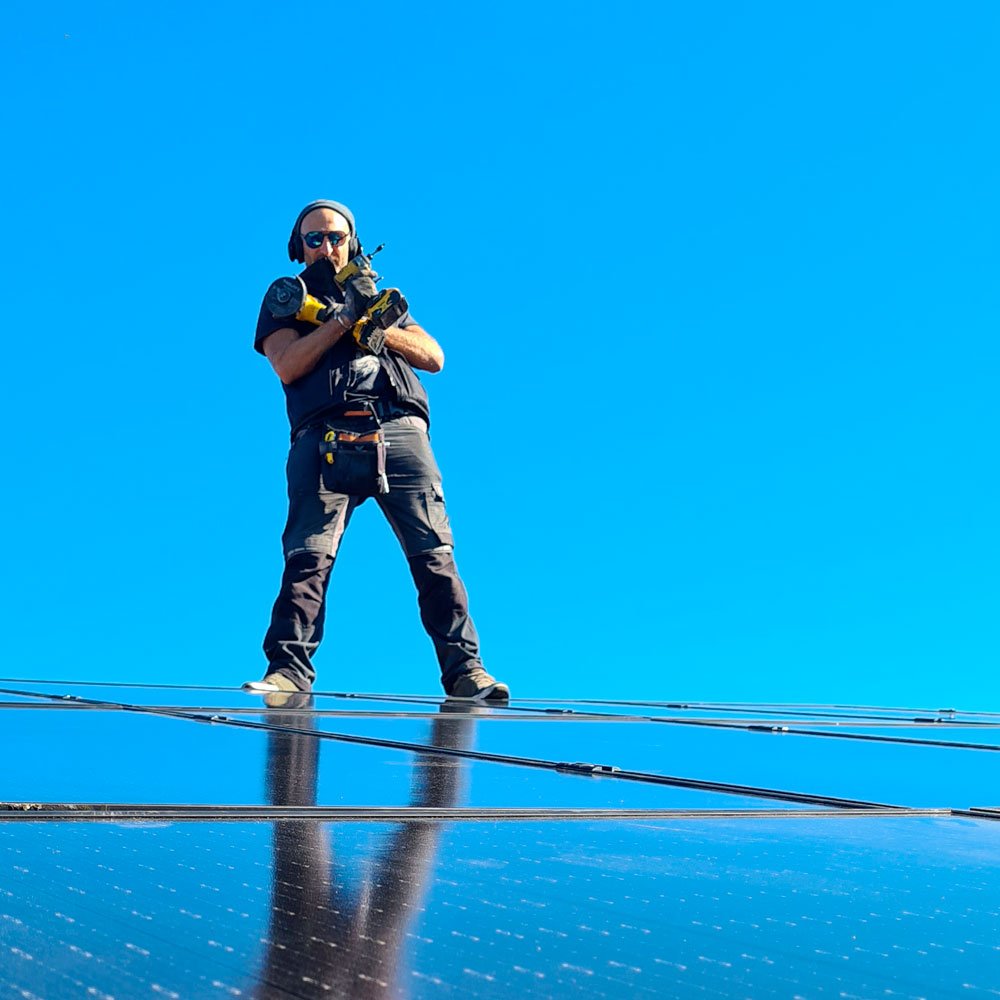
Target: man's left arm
417, 346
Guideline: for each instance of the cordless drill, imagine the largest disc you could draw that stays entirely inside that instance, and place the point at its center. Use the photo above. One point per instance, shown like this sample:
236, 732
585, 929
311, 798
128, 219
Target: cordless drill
308, 297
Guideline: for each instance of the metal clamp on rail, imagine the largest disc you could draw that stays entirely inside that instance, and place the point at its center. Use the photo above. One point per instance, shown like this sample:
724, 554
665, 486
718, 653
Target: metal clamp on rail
581, 767
768, 729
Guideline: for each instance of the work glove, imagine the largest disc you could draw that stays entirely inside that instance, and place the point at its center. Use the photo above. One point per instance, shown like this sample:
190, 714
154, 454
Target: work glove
331, 307
369, 337
363, 283
354, 304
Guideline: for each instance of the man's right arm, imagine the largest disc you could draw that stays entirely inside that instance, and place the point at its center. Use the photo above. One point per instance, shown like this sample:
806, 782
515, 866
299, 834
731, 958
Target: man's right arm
293, 356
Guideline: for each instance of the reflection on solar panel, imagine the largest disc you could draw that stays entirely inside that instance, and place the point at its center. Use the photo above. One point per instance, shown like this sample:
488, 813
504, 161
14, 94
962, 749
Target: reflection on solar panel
195, 842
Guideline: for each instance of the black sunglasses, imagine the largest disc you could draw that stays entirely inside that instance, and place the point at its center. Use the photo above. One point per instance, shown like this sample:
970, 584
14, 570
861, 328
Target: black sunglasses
314, 240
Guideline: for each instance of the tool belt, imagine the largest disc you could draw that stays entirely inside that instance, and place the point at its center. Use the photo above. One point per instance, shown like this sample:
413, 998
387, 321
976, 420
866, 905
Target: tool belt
353, 462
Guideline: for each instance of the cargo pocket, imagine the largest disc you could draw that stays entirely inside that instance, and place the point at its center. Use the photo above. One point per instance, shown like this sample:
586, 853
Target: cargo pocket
302, 470
437, 516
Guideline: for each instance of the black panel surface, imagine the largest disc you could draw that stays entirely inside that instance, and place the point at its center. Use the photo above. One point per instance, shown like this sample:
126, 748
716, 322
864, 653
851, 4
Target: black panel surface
846, 908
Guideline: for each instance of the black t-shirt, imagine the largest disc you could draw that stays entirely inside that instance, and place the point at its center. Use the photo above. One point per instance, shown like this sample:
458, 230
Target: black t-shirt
345, 372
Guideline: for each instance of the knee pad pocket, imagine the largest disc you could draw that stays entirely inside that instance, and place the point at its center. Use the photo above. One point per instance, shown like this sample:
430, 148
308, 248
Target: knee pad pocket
437, 515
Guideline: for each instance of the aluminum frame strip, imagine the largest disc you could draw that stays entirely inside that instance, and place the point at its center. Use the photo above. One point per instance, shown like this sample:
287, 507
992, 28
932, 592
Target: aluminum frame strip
112, 811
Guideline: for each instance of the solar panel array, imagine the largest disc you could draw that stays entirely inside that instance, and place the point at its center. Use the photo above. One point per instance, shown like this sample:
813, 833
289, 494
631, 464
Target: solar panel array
164, 841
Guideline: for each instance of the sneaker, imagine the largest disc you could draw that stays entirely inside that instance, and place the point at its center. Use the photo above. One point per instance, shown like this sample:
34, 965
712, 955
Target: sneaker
270, 684
477, 685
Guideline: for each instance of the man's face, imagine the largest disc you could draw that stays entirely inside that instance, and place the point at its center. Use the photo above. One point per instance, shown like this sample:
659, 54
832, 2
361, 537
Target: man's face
326, 220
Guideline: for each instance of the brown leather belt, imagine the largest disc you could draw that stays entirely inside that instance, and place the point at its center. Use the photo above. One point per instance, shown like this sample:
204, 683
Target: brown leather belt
358, 438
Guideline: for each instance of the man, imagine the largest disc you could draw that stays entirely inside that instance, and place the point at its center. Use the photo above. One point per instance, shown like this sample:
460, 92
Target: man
359, 422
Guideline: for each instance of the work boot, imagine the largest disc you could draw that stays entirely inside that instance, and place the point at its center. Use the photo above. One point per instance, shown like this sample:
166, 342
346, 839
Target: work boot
289, 699
477, 685
270, 684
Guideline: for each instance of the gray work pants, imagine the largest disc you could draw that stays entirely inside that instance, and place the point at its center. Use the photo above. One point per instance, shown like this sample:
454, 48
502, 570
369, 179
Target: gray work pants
318, 515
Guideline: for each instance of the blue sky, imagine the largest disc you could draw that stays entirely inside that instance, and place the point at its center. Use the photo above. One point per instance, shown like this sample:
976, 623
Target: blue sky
715, 284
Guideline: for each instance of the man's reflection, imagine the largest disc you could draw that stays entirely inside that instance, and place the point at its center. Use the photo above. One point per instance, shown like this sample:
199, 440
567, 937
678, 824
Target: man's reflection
336, 929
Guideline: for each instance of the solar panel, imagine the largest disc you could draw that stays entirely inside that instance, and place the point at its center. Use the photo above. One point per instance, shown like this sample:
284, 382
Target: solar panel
186, 842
